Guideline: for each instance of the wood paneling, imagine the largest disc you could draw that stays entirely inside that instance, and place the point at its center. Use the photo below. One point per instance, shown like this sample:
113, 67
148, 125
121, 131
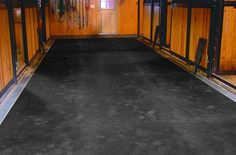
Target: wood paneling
6, 70
179, 31
19, 36
228, 50
35, 28
31, 31
168, 28
156, 17
127, 16
65, 28
146, 21
47, 22
200, 26
141, 17
126, 23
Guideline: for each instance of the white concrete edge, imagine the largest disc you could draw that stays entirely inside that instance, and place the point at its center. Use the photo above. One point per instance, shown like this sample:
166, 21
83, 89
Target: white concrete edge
226, 92
10, 97
218, 87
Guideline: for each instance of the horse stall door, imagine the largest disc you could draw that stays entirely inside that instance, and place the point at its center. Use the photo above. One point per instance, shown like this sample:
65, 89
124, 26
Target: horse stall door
227, 58
228, 50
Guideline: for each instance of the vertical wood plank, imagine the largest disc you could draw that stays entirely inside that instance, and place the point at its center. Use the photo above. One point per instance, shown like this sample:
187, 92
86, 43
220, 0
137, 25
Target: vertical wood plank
146, 20
169, 21
127, 16
200, 27
47, 22
6, 70
179, 31
228, 50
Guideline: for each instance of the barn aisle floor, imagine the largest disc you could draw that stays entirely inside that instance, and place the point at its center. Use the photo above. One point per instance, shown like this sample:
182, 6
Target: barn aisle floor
117, 97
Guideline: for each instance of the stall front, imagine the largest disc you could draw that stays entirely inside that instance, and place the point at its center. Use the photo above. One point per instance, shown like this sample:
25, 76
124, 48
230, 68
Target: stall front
225, 66
184, 23
6, 66
21, 29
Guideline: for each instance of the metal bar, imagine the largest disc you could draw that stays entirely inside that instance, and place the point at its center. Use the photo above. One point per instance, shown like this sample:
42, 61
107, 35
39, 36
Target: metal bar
230, 3
151, 22
40, 39
220, 10
188, 32
138, 17
5, 89
211, 46
143, 37
24, 33
163, 21
12, 37
43, 21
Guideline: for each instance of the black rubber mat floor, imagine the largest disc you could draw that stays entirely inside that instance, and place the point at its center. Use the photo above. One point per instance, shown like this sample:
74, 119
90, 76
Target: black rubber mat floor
117, 97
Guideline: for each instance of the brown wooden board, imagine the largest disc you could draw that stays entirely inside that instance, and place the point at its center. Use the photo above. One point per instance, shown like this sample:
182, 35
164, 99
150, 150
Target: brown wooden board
200, 26
146, 21
179, 31
47, 22
169, 23
127, 16
6, 70
228, 46
31, 31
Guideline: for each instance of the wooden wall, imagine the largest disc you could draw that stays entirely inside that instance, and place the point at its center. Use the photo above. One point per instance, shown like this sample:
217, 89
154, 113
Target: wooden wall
179, 31
228, 46
47, 22
146, 20
127, 16
6, 69
58, 28
31, 31
200, 27
169, 23
141, 17
126, 22
176, 36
